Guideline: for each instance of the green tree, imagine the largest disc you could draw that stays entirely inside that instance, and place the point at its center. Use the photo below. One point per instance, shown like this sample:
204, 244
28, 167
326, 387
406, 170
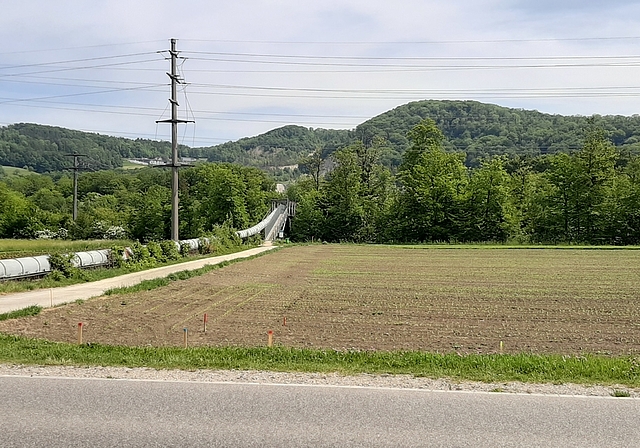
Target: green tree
221, 194
152, 219
312, 165
18, 217
490, 212
309, 222
595, 164
342, 202
430, 202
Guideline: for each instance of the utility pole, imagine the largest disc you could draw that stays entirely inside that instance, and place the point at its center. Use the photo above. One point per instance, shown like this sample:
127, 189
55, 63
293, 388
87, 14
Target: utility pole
75, 169
175, 163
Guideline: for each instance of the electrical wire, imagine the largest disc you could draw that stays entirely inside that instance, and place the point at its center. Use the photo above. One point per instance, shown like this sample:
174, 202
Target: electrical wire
72, 61
426, 42
415, 58
296, 63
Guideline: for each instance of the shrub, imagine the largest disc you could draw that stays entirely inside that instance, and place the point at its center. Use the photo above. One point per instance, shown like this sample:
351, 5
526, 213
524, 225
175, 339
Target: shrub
114, 233
140, 254
205, 247
62, 264
185, 250
155, 251
170, 250
116, 256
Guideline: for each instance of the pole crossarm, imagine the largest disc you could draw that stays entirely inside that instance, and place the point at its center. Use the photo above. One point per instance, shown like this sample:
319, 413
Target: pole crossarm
175, 121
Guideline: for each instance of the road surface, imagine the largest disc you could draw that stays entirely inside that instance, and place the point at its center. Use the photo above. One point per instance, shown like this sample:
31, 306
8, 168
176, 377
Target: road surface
64, 412
56, 296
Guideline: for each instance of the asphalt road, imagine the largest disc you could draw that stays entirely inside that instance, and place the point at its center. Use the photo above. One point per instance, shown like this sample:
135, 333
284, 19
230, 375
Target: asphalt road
58, 412
56, 296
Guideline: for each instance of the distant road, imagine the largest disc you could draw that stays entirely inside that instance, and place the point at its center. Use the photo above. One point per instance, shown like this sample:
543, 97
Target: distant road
63, 412
56, 296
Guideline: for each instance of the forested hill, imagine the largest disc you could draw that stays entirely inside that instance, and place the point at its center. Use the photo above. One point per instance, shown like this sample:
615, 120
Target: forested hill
279, 147
475, 128
480, 129
43, 148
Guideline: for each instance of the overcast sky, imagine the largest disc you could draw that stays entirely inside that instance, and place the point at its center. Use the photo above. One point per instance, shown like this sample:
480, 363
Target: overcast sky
257, 65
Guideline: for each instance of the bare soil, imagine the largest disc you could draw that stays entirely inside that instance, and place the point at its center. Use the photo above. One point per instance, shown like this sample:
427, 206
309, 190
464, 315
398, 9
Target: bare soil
562, 301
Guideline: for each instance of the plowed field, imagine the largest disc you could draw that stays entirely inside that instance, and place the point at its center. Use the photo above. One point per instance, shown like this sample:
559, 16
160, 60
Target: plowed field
380, 298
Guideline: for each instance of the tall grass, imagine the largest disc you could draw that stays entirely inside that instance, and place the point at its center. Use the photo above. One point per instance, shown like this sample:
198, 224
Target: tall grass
526, 368
24, 312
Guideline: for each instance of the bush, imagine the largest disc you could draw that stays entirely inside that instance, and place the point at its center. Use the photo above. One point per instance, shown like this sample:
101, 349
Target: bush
61, 263
155, 251
169, 250
224, 237
205, 247
140, 254
116, 256
185, 250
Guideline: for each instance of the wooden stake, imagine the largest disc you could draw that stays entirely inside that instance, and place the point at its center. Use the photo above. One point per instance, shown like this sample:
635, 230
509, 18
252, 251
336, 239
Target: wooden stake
501, 347
186, 332
270, 338
284, 321
80, 333
206, 318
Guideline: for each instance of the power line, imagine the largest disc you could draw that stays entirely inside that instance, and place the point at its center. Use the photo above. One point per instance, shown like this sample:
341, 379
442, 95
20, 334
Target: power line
629, 63
83, 47
413, 58
425, 42
17, 100
87, 67
72, 61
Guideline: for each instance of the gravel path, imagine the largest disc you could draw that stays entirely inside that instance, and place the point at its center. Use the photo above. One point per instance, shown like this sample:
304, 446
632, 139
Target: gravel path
321, 379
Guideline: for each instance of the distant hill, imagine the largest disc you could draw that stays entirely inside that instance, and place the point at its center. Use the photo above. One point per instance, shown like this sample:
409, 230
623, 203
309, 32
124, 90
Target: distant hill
279, 147
475, 128
42, 148
478, 129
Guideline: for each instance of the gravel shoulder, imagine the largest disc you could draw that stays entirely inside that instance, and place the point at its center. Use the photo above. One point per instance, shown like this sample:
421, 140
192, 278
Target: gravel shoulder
316, 379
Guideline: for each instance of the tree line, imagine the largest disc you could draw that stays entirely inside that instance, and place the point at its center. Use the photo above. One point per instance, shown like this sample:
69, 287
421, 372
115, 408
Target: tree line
133, 203
590, 195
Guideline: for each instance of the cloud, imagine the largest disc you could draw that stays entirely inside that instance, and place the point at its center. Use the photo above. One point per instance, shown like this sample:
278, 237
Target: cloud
339, 33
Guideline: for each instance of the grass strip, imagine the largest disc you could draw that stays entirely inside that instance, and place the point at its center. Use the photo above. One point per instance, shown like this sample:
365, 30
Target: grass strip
527, 368
148, 285
24, 312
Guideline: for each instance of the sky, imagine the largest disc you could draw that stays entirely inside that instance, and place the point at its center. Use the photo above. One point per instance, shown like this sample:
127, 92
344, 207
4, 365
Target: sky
250, 66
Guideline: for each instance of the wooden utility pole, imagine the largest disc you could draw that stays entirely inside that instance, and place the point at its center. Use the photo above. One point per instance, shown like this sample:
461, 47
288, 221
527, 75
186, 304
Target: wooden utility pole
175, 162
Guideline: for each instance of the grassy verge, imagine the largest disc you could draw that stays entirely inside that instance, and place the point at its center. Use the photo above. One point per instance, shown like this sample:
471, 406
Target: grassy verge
148, 285
28, 311
487, 368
